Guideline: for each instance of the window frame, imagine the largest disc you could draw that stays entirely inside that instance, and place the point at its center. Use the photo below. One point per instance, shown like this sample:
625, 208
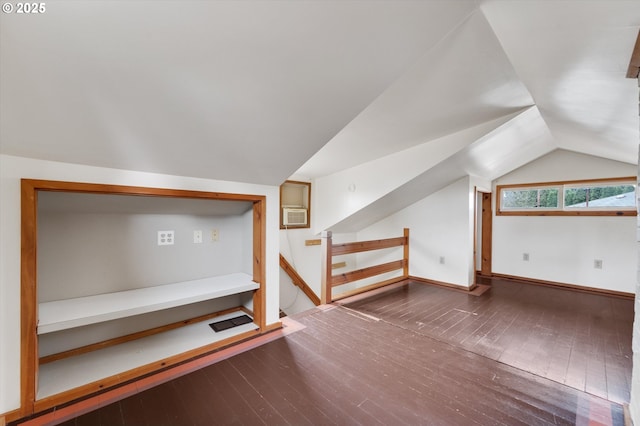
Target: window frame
561, 210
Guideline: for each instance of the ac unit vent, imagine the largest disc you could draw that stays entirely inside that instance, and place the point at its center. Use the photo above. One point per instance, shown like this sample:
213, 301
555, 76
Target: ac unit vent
294, 217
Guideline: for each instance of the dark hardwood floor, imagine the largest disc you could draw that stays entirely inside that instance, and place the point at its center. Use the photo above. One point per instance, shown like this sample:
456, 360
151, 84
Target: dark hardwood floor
582, 340
517, 355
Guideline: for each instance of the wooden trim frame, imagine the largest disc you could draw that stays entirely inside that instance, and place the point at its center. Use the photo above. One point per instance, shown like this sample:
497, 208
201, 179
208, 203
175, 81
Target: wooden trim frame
259, 263
634, 64
559, 212
308, 206
487, 235
29, 363
28, 298
329, 250
9, 416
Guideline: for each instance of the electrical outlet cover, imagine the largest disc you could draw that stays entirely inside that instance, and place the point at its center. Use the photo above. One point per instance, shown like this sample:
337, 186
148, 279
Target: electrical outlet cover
165, 238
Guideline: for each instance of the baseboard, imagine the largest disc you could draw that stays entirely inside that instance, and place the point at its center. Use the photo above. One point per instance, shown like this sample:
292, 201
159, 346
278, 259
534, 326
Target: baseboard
584, 289
443, 284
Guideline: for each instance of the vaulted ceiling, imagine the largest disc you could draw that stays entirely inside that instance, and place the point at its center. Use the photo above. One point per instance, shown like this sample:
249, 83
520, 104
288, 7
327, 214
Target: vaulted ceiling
257, 91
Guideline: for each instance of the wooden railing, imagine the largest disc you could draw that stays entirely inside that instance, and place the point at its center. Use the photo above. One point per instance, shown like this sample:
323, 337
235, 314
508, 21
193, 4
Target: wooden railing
297, 280
330, 250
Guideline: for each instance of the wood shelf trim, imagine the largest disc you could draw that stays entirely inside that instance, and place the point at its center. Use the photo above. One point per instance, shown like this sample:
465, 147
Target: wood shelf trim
69, 313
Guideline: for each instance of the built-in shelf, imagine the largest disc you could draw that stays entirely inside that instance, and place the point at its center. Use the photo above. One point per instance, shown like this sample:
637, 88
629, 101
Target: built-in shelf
72, 372
85, 336
69, 313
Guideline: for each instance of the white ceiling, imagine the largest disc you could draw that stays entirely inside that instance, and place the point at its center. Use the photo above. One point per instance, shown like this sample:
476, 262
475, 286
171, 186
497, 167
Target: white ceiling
256, 91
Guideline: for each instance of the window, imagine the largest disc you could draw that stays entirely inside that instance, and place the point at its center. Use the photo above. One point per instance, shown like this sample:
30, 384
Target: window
600, 196
536, 198
586, 198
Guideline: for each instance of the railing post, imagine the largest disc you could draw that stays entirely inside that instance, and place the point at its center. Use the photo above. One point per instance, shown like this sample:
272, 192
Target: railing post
325, 291
405, 270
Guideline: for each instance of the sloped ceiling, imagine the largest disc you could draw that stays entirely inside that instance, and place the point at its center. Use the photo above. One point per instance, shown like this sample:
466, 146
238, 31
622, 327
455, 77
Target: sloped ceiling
572, 56
464, 80
235, 90
569, 58
257, 91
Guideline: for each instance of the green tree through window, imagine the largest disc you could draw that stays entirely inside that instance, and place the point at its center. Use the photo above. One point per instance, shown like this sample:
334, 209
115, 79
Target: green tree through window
580, 197
530, 198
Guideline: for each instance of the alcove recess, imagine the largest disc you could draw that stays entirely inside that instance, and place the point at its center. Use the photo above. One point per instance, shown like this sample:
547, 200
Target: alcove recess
103, 302
295, 204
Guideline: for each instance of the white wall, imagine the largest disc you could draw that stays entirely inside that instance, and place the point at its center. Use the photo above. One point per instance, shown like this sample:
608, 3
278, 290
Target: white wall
306, 261
440, 225
292, 298
12, 169
82, 254
563, 249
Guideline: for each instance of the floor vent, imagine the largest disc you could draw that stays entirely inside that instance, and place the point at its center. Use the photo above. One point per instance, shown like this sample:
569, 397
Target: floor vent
230, 323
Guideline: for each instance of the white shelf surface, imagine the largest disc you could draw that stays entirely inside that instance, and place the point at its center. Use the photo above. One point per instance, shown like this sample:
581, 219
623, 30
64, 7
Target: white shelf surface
75, 371
69, 313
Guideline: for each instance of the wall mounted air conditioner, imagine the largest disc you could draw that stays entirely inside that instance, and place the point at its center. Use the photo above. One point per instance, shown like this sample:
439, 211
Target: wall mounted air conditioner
294, 216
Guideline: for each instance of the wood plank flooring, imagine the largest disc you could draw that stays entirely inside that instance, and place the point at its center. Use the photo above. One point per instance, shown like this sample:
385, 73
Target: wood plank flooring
579, 339
411, 356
